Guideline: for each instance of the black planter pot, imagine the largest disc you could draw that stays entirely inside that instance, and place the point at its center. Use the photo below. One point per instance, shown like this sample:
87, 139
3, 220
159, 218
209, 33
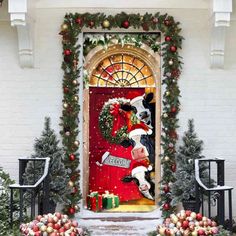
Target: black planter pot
51, 208
192, 205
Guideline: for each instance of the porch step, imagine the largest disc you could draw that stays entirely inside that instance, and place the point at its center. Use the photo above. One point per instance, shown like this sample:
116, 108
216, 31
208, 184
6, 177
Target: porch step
120, 226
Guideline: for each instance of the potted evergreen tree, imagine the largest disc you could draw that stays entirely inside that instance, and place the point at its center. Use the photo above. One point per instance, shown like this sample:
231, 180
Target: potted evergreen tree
47, 146
183, 189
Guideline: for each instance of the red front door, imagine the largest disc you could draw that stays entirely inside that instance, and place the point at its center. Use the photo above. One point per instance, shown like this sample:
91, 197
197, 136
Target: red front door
106, 177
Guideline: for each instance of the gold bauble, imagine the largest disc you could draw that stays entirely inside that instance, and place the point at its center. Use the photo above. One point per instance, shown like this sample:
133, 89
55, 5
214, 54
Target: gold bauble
65, 105
76, 143
71, 183
64, 27
106, 23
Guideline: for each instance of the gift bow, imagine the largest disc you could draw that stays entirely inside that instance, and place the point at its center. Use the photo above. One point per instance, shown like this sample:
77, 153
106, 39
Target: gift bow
115, 112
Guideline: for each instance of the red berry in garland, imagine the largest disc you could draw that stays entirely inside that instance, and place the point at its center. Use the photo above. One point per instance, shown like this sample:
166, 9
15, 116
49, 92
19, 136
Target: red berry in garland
72, 157
166, 206
173, 48
67, 52
167, 38
125, 24
167, 22
79, 21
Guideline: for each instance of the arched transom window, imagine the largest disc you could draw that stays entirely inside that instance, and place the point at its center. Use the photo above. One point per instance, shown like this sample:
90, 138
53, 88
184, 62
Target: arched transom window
122, 70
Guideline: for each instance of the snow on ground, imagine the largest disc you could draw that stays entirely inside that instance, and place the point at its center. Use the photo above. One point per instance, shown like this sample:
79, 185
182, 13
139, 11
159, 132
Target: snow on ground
119, 224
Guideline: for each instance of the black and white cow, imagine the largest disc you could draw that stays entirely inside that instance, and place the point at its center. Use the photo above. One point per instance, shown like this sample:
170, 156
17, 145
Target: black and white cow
143, 141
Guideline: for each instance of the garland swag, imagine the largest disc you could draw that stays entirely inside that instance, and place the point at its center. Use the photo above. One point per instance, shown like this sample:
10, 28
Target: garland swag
73, 24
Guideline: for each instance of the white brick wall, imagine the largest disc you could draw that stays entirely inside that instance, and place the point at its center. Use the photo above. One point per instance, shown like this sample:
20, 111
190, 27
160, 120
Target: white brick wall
28, 95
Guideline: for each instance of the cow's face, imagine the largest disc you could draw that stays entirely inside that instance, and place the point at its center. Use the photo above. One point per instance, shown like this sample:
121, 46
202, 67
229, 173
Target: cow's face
145, 185
141, 104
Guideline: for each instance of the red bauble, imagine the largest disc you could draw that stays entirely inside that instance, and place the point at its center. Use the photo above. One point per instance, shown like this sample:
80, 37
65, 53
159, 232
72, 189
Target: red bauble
173, 48
199, 216
167, 38
175, 73
173, 167
79, 21
145, 26
73, 234
56, 226
62, 230
66, 89
167, 22
58, 215
166, 206
201, 232
185, 224
75, 190
72, 157
173, 134
173, 109
155, 20
167, 232
91, 24
71, 211
188, 212
35, 228
125, 24
67, 52
37, 233
166, 188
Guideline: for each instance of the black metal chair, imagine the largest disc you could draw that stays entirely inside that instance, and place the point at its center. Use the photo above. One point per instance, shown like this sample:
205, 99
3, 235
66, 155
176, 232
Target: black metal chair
218, 191
43, 180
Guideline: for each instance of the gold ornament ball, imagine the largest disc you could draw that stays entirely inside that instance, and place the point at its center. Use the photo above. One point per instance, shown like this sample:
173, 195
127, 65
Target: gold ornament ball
76, 143
50, 229
65, 105
76, 207
43, 228
165, 115
67, 133
167, 93
75, 82
64, 27
76, 98
71, 183
167, 158
106, 23
170, 62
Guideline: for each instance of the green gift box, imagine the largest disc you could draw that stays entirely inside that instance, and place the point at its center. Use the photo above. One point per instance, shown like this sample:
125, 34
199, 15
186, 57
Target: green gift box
110, 201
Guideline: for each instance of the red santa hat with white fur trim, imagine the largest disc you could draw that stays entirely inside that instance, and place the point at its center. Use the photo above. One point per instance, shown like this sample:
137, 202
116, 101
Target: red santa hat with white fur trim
139, 129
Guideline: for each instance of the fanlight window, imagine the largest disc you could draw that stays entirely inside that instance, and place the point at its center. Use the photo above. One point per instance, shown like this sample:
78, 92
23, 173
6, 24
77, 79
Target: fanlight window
122, 70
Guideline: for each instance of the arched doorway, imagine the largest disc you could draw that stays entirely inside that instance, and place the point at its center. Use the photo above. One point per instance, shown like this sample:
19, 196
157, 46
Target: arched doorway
119, 72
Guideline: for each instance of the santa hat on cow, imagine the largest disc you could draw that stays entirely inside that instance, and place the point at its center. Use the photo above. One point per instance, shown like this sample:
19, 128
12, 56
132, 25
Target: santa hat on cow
139, 129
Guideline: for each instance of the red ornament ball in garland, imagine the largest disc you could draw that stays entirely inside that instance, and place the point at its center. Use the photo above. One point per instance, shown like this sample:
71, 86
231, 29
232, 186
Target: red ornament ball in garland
173, 134
167, 22
166, 189
125, 24
173, 48
166, 206
66, 89
173, 109
72, 157
173, 167
79, 21
145, 26
167, 38
67, 52
71, 210
91, 24
155, 20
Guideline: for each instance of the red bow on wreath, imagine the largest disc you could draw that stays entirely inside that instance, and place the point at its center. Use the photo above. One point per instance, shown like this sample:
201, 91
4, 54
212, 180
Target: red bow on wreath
115, 111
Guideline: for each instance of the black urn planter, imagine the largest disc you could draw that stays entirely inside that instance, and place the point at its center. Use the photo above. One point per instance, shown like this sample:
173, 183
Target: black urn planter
51, 208
192, 205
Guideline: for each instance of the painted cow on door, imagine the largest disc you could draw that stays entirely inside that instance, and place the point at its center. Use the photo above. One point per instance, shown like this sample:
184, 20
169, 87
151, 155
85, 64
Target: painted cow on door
139, 143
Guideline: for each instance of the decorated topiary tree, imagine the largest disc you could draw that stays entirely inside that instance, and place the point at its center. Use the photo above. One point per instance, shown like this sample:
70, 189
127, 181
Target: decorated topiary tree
47, 146
184, 188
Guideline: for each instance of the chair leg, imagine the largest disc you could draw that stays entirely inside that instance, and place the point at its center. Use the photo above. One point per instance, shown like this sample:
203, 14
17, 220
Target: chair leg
11, 208
230, 211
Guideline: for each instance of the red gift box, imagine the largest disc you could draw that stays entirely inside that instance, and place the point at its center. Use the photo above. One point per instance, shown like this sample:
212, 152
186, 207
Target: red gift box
94, 202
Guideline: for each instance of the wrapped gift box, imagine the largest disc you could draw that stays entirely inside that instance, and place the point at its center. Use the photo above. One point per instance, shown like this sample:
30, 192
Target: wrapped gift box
94, 202
110, 200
